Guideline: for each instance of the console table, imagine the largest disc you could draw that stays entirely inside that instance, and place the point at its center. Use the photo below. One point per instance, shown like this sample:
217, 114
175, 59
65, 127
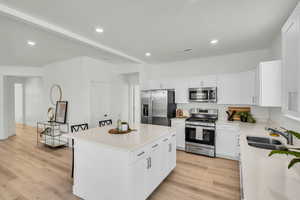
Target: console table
52, 134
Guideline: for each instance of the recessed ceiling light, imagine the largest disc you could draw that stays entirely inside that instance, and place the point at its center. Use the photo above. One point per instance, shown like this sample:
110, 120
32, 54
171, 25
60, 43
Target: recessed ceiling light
99, 30
31, 43
215, 41
148, 54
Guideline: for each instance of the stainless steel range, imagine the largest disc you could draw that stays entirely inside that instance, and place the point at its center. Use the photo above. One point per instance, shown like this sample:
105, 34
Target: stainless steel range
200, 131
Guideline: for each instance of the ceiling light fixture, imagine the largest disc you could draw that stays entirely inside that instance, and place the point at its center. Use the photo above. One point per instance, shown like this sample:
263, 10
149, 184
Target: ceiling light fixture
215, 41
148, 54
31, 43
99, 30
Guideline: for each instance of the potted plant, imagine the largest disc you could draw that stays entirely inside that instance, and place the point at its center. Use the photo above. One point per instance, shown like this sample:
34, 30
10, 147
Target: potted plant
295, 152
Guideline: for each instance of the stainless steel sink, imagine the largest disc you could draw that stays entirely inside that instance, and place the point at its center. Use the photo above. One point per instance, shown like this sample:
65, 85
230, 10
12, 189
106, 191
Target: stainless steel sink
265, 143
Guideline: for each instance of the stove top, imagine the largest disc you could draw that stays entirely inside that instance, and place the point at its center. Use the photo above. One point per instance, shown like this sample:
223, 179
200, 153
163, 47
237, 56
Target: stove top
200, 115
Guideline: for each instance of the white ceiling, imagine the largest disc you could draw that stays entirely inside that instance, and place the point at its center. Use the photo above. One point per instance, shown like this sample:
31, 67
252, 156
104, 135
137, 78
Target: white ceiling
163, 27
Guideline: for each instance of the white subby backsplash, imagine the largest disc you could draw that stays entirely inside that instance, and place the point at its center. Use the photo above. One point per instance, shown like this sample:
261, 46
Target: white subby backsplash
261, 114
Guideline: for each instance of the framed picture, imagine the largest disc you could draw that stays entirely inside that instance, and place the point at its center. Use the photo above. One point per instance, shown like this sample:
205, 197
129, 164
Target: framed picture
61, 112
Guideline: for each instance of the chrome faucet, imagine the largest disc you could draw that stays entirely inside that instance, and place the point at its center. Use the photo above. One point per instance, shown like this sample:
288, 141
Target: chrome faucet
288, 136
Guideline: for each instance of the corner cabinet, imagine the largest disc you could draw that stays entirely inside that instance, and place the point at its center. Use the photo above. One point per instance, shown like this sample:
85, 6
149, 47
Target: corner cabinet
268, 84
291, 65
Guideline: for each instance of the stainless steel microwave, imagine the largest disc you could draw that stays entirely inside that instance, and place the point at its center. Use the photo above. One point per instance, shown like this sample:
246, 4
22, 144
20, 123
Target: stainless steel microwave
205, 94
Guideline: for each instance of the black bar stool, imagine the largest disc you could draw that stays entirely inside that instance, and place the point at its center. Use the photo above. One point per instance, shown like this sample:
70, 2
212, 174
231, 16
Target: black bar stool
75, 129
105, 123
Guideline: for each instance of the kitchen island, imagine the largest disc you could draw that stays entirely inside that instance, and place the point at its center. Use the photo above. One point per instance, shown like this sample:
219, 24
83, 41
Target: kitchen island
127, 167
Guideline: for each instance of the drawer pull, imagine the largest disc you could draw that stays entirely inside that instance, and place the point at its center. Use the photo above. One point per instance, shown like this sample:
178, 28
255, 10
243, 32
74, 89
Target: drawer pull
165, 139
154, 145
173, 135
142, 153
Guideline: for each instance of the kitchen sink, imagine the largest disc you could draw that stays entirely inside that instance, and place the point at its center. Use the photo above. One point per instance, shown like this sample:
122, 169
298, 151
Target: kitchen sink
265, 143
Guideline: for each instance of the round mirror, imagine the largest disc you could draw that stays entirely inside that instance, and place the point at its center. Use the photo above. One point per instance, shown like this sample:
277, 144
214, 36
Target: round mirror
55, 94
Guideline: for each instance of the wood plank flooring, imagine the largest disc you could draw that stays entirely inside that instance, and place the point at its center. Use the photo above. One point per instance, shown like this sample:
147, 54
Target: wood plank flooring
28, 172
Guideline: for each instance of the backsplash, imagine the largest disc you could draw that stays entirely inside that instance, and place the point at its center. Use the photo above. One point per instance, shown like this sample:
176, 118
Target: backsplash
261, 114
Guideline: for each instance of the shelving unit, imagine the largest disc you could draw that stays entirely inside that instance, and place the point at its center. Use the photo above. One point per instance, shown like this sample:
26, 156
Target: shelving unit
51, 134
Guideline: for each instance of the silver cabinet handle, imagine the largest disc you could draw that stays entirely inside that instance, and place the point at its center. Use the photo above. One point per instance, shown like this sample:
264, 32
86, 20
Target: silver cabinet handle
154, 146
141, 153
165, 139
173, 135
148, 163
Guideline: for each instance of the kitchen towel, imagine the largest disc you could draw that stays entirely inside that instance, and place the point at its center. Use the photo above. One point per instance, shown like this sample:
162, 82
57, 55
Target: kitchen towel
199, 133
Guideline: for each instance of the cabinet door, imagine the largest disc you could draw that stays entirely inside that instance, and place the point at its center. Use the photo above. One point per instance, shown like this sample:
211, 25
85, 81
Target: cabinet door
227, 142
139, 178
228, 89
236, 88
203, 81
291, 64
181, 91
247, 88
172, 153
165, 157
270, 84
154, 172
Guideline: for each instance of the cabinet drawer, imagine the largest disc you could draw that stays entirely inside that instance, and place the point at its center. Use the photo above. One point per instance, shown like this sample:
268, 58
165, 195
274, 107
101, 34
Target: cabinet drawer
139, 154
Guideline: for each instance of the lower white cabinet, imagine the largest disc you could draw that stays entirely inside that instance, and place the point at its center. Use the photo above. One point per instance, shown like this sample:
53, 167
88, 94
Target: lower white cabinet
179, 125
227, 141
154, 165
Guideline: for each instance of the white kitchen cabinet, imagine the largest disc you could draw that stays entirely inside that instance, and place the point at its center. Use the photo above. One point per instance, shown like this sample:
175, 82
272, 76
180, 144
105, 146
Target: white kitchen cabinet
203, 81
236, 88
268, 84
179, 125
172, 152
291, 65
140, 175
154, 170
227, 141
181, 91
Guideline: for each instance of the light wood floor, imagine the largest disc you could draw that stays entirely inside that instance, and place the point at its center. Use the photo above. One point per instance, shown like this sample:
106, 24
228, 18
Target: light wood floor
31, 173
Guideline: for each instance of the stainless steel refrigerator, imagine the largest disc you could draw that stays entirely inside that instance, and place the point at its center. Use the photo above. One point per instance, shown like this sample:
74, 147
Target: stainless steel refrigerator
158, 107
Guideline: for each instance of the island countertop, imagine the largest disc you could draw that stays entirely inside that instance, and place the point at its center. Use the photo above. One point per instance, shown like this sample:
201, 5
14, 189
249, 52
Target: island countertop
143, 135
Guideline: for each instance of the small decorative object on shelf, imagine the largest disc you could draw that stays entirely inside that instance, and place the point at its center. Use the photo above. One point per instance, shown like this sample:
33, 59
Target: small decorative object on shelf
52, 134
51, 114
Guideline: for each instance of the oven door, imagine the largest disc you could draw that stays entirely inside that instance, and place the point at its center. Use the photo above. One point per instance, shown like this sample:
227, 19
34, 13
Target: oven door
199, 94
193, 134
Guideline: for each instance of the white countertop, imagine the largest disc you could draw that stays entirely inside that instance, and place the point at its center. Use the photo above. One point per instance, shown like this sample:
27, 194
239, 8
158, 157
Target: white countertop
264, 177
144, 135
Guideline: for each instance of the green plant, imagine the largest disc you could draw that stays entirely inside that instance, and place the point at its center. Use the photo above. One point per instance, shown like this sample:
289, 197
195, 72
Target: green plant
290, 151
246, 117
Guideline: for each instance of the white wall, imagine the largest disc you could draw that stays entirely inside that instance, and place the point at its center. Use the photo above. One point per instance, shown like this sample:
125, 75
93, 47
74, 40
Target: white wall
75, 77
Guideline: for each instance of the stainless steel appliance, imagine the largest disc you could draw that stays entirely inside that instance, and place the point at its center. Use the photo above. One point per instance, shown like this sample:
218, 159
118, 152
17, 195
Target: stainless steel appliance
200, 132
205, 94
158, 107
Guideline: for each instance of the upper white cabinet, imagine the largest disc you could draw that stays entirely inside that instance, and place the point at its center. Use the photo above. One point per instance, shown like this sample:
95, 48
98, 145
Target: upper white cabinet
268, 84
236, 88
291, 65
203, 81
